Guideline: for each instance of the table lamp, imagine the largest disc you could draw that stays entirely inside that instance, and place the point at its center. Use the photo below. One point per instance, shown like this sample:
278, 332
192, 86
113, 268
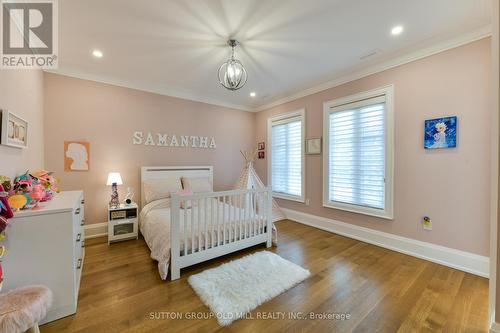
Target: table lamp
114, 179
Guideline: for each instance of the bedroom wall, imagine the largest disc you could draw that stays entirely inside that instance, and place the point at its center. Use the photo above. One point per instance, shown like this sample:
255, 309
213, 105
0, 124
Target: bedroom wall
451, 186
107, 116
21, 92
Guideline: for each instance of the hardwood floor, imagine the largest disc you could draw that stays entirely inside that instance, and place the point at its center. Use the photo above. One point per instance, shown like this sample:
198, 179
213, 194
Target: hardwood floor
381, 291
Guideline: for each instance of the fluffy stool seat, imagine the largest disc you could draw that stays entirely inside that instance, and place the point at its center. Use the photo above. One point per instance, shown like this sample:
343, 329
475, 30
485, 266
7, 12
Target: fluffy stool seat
21, 309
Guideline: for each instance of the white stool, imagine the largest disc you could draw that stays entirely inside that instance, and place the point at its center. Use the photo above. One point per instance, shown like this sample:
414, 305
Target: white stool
21, 309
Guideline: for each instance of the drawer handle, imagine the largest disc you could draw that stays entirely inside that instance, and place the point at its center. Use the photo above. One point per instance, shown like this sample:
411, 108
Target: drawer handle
79, 265
83, 243
83, 222
78, 237
83, 202
77, 211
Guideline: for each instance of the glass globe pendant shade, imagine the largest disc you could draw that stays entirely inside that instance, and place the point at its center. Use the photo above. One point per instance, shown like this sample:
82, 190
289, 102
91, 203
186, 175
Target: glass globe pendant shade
232, 74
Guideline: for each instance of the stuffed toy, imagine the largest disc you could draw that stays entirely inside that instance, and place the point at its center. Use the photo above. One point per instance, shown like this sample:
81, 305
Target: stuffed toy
17, 201
5, 209
48, 182
2, 252
3, 225
37, 194
23, 186
23, 183
5, 182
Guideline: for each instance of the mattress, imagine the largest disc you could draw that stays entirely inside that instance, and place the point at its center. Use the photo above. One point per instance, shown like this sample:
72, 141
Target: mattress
200, 227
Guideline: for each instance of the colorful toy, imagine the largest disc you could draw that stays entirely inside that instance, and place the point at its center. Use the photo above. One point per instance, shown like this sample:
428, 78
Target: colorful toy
37, 194
48, 182
27, 190
17, 201
2, 252
3, 225
23, 183
5, 182
5, 209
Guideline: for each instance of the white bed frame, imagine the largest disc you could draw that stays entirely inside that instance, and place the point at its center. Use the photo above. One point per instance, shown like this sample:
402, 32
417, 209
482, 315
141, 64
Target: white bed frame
253, 225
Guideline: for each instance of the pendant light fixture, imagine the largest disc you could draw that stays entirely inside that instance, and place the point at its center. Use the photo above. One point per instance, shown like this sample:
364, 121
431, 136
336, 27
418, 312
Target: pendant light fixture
232, 74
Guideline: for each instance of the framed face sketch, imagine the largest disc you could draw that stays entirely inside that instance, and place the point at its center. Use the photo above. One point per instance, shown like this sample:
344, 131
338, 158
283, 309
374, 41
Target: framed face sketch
313, 146
14, 130
76, 156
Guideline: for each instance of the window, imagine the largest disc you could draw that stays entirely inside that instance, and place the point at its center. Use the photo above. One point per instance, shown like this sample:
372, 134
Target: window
286, 158
358, 153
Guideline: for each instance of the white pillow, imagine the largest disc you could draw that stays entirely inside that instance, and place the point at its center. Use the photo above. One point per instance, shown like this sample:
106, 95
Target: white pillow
156, 189
197, 185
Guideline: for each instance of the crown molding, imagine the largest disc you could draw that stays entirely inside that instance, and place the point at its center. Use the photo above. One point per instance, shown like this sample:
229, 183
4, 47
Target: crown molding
357, 74
160, 91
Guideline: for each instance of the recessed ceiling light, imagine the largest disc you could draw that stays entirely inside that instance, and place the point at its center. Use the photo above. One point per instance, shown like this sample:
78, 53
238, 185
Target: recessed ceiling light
397, 30
253, 94
97, 54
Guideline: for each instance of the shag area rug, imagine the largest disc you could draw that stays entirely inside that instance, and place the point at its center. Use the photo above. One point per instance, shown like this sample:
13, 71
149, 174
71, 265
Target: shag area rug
237, 287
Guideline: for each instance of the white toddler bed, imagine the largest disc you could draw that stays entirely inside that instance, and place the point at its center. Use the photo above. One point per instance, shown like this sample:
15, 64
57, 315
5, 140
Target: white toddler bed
209, 225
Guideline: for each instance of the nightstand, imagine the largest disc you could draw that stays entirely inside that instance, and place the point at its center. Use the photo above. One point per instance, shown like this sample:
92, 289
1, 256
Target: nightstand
122, 222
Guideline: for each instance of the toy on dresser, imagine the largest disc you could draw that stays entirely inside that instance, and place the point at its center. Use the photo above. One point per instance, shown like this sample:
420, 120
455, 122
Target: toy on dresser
29, 189
48, 183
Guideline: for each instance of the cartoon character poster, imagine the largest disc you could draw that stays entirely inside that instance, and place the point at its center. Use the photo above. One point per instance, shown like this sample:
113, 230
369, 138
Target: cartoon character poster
440, 133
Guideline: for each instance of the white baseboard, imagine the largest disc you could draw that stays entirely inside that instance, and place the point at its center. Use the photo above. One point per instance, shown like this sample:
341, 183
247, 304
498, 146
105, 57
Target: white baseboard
461, 260
96, 230
495, 328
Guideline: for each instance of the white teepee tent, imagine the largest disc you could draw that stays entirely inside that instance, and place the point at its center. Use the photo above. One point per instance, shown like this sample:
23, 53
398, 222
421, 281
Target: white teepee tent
249, 179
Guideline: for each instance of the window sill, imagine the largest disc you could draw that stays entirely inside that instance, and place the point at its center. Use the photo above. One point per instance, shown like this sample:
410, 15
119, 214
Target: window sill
288, 197
384, 214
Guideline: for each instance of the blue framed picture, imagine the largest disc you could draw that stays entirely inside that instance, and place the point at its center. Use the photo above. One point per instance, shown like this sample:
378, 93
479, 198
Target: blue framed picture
440, 133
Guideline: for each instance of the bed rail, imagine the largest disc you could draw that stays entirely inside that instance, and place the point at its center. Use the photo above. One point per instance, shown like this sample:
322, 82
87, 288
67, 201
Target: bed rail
208, 225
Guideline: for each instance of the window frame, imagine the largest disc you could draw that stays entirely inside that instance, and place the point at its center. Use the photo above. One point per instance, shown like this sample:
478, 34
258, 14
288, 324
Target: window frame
335, 106
281, 118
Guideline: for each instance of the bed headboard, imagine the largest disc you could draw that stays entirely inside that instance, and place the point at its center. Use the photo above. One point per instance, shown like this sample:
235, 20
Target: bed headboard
175, 171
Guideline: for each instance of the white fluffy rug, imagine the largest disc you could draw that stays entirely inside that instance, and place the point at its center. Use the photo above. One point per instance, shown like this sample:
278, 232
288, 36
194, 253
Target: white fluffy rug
237, 287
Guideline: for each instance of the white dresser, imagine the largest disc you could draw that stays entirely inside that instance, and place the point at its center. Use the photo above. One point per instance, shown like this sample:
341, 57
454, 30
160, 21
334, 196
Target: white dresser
45, 246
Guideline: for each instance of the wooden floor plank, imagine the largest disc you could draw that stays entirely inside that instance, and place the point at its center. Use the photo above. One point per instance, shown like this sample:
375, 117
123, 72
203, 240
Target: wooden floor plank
381, 291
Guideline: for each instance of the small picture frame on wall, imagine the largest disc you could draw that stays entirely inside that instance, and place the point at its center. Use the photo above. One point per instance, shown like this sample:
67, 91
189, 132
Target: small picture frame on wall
261, 145
14, 130
313, 146
440, 133
262, 155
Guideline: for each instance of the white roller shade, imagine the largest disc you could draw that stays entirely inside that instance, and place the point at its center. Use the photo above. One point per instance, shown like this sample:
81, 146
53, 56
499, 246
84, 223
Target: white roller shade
356, 148
286, 158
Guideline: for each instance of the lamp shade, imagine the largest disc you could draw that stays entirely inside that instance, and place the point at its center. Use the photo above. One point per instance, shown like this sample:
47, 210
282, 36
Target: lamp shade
114, 178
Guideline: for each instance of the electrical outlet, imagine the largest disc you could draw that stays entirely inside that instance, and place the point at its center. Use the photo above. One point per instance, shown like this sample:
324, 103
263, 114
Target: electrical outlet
427, 223
307, 202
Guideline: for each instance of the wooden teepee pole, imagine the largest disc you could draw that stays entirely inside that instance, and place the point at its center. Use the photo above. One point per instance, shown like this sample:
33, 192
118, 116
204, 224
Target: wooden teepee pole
249, 155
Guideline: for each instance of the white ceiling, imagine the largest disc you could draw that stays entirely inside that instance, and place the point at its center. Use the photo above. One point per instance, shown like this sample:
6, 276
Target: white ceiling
176, 47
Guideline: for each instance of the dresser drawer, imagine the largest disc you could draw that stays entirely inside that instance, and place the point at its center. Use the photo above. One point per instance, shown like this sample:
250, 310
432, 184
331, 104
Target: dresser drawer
78, 221
78, 216
48, 241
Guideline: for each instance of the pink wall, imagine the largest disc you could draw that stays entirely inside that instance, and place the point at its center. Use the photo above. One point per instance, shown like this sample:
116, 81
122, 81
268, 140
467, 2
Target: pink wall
21, 91
106, 116
451, 186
